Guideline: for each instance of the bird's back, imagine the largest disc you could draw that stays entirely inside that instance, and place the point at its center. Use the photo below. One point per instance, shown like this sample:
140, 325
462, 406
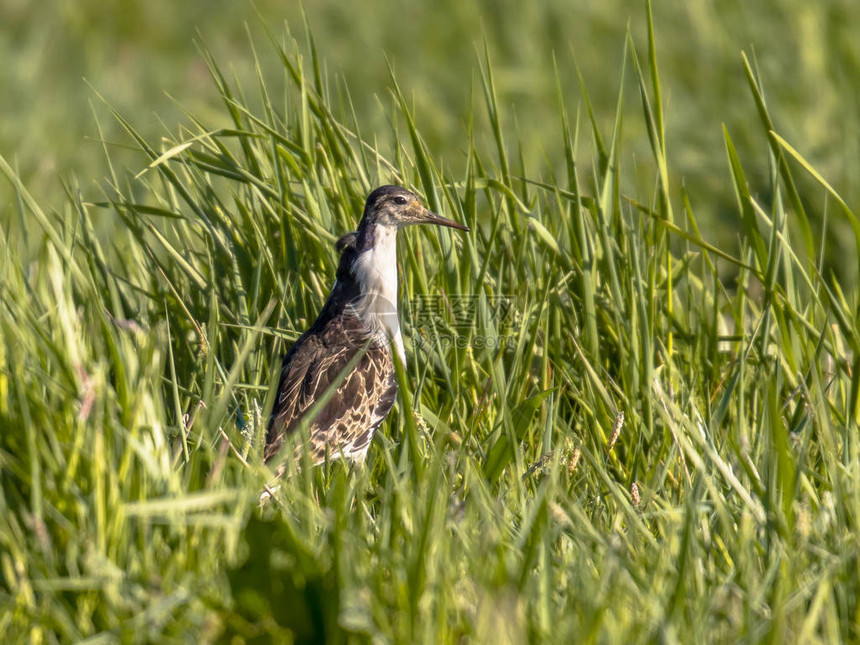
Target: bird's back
344, 364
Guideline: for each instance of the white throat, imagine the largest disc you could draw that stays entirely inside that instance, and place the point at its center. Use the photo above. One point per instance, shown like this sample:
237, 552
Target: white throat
376, 272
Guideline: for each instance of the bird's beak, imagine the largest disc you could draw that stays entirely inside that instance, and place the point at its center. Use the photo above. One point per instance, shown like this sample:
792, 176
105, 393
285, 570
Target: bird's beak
429, 217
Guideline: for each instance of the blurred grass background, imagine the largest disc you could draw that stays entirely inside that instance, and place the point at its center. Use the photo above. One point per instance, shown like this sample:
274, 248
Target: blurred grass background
667, 453
140, 54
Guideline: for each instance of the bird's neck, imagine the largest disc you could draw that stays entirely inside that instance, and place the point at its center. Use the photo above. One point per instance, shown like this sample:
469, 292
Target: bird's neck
375, 271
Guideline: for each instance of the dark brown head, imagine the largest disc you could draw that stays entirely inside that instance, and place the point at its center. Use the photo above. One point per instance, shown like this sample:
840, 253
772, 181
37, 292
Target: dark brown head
395, 207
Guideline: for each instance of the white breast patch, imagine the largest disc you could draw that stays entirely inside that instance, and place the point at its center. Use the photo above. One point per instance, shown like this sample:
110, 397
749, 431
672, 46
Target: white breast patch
376, 272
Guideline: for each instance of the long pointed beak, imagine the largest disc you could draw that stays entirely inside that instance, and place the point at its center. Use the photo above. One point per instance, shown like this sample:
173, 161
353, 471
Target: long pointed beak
429, 217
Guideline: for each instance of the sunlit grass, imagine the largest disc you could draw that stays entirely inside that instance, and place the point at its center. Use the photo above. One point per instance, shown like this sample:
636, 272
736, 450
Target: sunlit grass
662, 447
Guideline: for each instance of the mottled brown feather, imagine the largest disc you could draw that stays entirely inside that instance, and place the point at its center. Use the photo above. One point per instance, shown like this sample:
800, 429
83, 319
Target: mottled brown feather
344, 426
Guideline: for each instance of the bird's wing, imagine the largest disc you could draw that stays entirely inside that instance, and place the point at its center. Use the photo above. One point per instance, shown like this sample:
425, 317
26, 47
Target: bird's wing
362, 399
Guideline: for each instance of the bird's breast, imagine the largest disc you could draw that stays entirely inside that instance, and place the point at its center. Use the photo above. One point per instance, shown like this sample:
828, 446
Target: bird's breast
375, 270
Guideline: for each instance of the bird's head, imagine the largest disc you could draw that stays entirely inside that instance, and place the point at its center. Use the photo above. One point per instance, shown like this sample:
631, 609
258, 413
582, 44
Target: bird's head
394, 207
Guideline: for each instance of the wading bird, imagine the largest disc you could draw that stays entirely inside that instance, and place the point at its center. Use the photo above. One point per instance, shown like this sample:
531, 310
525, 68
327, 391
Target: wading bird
345, 361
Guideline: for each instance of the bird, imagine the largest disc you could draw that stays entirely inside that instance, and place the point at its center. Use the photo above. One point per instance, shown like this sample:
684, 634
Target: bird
344, 362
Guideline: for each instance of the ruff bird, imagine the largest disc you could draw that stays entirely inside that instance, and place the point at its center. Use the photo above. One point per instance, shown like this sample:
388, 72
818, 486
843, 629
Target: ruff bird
344, 362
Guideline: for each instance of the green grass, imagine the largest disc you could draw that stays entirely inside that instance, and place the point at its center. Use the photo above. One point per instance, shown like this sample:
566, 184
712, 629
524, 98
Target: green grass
141, 55
507, 498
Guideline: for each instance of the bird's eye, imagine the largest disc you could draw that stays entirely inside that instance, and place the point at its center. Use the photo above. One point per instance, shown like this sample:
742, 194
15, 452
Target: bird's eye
400, 200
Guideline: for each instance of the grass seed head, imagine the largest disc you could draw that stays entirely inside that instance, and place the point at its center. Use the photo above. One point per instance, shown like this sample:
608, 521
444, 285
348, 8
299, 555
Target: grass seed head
574, 460
616, 429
